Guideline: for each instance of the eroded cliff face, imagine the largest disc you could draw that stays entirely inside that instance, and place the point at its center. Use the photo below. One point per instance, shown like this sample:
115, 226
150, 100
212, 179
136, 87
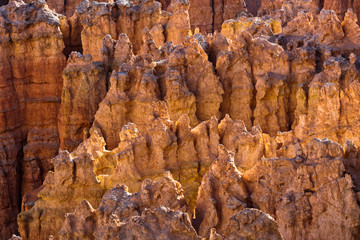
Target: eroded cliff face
138, 215
299, 195
31, 65
93, 20
300, 187
209, 15
154, 131
84, 87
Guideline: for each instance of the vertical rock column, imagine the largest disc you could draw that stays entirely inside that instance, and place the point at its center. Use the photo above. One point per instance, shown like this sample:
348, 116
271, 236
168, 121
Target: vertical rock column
31, 59
84, 88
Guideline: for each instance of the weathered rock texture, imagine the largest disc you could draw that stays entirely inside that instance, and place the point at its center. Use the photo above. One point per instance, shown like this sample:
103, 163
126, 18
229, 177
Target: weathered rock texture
253, 6
72, 181
30, 84
236, 117
94, 20
340, 7
222, 193
209, 15
249, 224
64, 7
303, 192
157, 211
84, 87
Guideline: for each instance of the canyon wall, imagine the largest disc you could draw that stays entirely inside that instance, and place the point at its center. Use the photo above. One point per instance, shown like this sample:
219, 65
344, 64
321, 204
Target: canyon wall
31, 66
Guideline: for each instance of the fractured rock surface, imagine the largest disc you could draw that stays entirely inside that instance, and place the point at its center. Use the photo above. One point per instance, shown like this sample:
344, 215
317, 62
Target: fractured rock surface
30, 83
158, 206
253, 119
304, 192
84, 87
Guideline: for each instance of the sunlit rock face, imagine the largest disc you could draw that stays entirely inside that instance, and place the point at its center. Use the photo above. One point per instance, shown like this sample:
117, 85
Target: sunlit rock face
84, 87
179, 120
301, 204
64, 7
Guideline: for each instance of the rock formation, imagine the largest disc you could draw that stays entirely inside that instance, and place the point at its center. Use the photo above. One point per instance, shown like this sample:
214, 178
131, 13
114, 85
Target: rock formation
249, 224
306, 191
222, 193
72, 181
341, 6
84, 87
95, 20
31, 65
253, 119
138, 215
209, 15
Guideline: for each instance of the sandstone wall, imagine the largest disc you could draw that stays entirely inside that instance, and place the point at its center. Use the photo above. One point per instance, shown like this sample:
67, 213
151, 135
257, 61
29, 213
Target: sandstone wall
31, 65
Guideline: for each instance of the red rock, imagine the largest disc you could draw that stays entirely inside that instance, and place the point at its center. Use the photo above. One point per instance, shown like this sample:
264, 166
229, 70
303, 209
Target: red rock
221, 194
249, 224
260, 91
84, 88
208, 16
30, 41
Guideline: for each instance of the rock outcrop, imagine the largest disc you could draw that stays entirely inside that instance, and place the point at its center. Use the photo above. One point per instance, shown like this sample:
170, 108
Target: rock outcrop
94, 20
222, 193
249, 224
72, 181
64, 7
191, 61
306, 191
213, 14
209, 15
234, 115
157, 206
248, 146
84, 87
31, 64
340, 7
142, 86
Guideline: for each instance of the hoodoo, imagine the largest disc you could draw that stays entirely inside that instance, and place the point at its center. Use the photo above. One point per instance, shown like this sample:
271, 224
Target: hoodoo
180, 119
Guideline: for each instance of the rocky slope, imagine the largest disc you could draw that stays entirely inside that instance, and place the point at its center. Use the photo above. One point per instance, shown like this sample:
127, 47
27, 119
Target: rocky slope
155, 129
